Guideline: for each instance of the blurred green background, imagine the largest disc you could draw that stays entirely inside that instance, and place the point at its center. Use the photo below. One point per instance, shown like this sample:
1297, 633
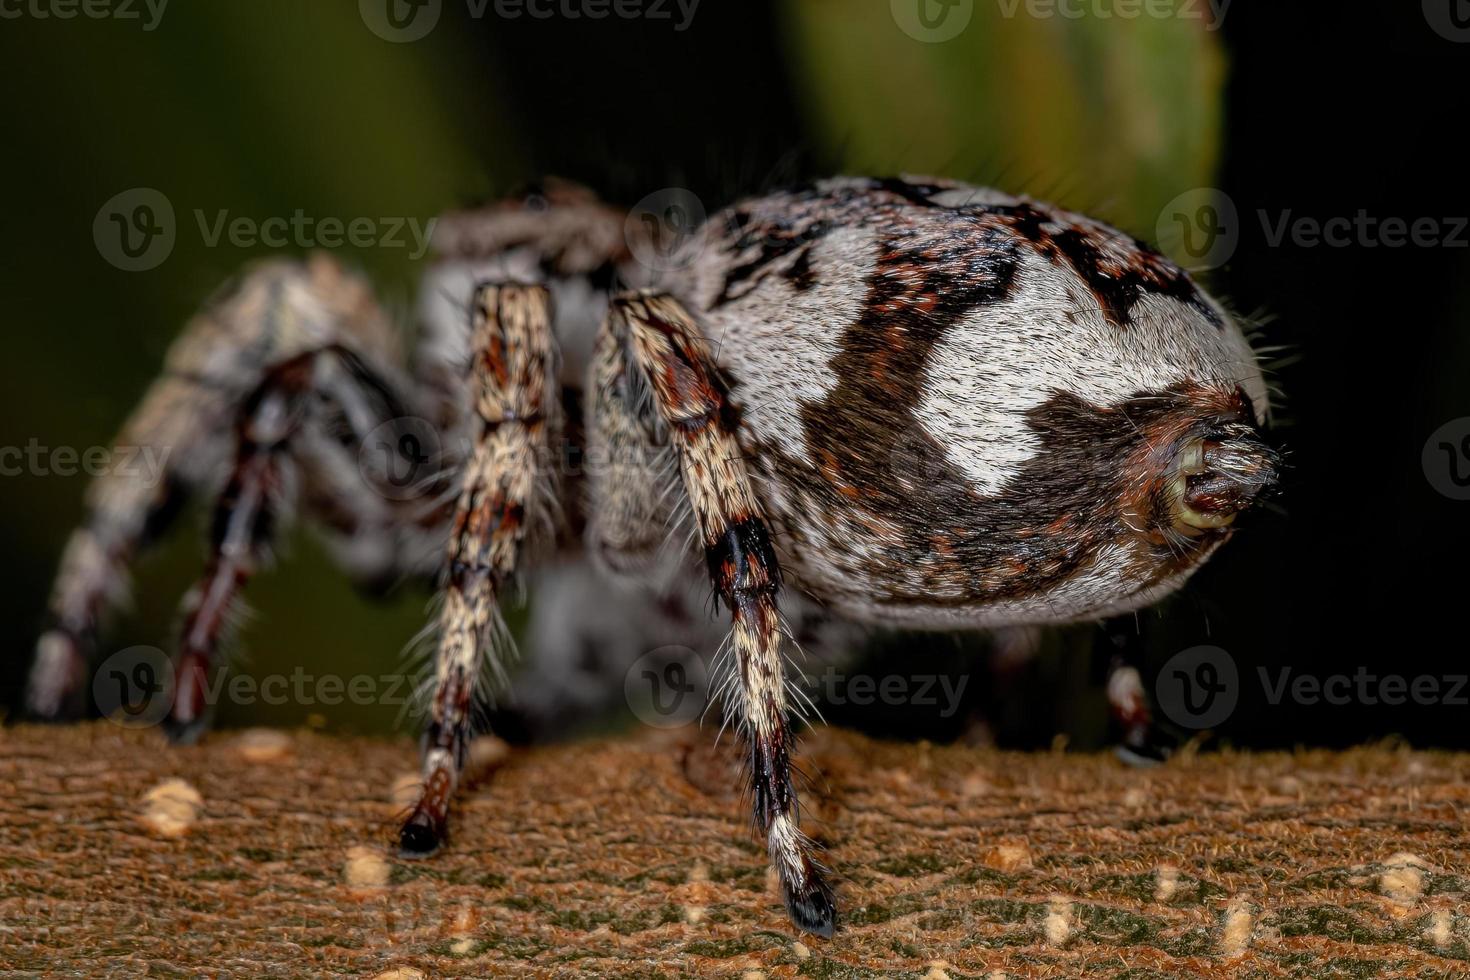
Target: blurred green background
265, 108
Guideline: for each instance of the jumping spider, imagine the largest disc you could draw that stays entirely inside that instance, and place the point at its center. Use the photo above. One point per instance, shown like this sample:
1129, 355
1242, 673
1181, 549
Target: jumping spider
930, 405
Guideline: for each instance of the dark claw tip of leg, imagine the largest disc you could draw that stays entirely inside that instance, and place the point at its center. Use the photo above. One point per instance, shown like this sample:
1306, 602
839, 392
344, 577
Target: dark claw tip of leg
1143, 753
813, 910
184, 732
419, 837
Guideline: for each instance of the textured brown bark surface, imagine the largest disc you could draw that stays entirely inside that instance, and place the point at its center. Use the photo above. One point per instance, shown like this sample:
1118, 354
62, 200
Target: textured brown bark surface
632, 858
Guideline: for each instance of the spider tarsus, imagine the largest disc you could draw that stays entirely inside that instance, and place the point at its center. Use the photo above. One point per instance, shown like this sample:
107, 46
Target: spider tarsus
1143, 753
181, 732
56, 691
188, 717
420, 836
812, 909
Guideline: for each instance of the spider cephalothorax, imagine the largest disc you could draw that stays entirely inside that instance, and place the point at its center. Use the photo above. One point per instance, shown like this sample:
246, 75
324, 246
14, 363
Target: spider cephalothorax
927, 404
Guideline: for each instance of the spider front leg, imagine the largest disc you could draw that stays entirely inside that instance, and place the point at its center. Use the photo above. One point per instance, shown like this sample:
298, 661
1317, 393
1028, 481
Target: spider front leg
655, 334
507, 487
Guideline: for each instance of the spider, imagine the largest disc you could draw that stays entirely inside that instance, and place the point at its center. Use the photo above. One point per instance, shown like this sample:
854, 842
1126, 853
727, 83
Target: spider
906, 402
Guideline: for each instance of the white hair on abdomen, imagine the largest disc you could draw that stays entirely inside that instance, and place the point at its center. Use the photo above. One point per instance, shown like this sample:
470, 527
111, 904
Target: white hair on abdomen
783, 339
1050, 336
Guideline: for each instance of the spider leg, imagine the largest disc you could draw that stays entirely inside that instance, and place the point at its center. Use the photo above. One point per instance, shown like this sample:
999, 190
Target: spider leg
692, 402
126, 512
635, 486
1131, 708
507, 486
182, 423
186, 427
244, 525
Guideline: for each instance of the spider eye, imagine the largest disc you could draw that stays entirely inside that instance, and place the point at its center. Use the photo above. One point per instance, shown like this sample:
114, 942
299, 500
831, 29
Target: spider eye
1216, 479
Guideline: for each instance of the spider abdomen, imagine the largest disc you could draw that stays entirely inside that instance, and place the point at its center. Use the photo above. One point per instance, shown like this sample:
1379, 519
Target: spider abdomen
963, 404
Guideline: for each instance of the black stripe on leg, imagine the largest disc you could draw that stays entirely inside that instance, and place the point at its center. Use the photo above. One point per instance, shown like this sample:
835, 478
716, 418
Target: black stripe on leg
770, 767
742, 563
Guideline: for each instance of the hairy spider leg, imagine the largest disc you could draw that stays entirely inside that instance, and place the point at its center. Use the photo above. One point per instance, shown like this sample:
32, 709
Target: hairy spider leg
246, 522
507, 486
693, 403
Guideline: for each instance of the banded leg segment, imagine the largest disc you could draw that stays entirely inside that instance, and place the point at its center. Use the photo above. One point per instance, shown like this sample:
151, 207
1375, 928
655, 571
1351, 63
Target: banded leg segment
244, 527
507, 487
693, 403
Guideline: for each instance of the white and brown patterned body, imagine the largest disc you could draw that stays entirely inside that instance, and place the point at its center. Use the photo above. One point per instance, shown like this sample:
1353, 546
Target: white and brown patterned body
967, 407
